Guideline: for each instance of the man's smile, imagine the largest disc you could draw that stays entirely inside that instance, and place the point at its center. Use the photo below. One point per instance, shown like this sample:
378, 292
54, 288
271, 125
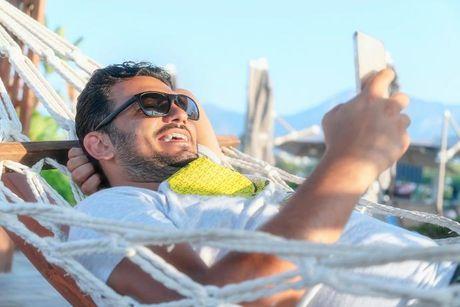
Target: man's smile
174, 137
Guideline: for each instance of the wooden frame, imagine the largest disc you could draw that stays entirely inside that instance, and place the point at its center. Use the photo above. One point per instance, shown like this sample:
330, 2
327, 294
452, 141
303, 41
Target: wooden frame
29, 153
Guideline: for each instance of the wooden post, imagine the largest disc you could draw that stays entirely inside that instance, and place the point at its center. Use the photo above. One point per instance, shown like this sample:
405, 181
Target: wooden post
22, 97
258, 134
442, 164
25, 103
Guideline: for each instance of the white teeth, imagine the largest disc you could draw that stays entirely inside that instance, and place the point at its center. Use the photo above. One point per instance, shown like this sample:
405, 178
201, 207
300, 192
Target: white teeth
178, 136
167, 138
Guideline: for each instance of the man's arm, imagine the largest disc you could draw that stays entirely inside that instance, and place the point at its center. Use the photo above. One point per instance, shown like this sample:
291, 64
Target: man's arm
204, 130
363, 137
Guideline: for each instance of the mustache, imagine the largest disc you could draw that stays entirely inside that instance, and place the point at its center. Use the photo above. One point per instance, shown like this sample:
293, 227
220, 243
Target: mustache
173, 126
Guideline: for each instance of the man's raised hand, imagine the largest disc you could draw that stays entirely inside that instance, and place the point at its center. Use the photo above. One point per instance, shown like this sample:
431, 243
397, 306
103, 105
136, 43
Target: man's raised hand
83, 172
369, 128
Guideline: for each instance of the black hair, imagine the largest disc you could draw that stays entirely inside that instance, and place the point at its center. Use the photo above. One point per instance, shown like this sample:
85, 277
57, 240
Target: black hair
94, 103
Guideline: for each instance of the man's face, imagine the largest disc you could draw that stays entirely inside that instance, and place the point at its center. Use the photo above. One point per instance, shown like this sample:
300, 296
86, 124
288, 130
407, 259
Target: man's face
144, 146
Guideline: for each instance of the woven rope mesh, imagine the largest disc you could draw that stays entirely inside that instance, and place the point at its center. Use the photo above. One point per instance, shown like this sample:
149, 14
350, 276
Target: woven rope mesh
315, 264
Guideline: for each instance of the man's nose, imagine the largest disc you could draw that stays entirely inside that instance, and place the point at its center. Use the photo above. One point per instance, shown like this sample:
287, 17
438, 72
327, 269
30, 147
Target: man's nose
176, 114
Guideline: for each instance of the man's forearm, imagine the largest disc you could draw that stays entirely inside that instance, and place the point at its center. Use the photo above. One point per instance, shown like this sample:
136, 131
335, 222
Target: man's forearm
317, 212
322, 205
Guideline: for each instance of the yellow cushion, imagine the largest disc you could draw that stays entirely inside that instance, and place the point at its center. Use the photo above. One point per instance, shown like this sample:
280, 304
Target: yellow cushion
204, 177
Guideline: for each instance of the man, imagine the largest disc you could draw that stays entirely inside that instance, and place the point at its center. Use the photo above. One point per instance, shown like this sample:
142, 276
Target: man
140, 133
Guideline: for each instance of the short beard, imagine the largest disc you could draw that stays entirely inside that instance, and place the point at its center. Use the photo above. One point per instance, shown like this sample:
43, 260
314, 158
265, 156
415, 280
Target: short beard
155, 168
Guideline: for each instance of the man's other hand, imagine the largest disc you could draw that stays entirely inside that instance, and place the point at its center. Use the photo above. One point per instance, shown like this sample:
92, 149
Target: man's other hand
369, 128
83, 172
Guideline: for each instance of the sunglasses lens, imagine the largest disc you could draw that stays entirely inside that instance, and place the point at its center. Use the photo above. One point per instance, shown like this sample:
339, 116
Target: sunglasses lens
189, 106
158, 104
155, 104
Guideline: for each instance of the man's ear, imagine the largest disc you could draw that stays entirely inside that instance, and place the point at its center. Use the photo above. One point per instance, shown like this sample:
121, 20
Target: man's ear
99, 146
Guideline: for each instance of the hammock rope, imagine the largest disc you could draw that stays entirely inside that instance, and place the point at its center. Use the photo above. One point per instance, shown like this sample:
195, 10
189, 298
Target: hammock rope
315, 264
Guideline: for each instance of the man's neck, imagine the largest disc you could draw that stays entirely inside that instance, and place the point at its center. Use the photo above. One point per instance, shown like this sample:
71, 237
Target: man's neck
117, 177
146, 185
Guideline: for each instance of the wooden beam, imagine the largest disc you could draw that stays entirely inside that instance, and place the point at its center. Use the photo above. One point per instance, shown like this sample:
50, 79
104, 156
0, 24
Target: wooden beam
36, 10
29, 153
55, 275
228, 141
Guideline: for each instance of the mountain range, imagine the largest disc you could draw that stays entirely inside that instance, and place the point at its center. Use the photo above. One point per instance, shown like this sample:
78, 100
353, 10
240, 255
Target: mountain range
426, 117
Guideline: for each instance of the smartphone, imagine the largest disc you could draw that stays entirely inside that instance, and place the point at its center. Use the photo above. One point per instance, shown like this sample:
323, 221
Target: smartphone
370, 57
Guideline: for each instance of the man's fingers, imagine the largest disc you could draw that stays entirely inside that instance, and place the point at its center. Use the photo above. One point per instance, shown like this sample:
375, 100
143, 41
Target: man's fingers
401, 99
76, 162
380, 83
404, 121
91, 185
367, 80
74, 152
82, 173
397, 103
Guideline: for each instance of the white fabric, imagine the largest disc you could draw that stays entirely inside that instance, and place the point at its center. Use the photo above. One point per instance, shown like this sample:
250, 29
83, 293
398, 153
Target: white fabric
364, 230
169, 210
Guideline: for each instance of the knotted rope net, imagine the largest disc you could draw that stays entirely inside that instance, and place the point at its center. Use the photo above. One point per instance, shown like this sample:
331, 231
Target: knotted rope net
316, 264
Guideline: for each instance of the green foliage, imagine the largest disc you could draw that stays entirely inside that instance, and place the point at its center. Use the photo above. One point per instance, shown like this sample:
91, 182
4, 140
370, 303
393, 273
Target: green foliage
45, 128
434, 231
60, 183
293, 185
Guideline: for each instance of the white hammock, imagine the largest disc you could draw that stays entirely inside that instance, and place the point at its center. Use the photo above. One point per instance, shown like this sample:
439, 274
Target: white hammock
316, 264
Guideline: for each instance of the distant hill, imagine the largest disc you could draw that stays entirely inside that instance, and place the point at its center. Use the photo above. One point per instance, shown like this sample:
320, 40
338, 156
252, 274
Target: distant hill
225, 121
426, 118
313, 116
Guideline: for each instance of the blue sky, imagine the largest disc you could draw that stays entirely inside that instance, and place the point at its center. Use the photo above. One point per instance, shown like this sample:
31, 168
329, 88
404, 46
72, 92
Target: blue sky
308, 43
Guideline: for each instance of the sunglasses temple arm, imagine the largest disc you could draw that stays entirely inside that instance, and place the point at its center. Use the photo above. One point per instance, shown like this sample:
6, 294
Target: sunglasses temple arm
115, 113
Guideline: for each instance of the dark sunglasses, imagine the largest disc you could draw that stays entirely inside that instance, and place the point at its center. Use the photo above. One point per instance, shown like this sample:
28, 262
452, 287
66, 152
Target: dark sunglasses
156, 104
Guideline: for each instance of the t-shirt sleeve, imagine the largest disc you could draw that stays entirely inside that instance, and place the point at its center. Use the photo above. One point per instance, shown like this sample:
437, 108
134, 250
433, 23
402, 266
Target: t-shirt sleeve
120, 204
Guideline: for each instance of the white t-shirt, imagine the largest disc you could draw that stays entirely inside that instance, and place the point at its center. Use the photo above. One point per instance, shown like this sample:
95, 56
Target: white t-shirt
166, 209
364, 230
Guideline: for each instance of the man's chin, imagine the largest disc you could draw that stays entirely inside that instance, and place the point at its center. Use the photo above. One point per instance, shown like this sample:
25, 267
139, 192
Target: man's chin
184, 162
176, 148
181, 158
